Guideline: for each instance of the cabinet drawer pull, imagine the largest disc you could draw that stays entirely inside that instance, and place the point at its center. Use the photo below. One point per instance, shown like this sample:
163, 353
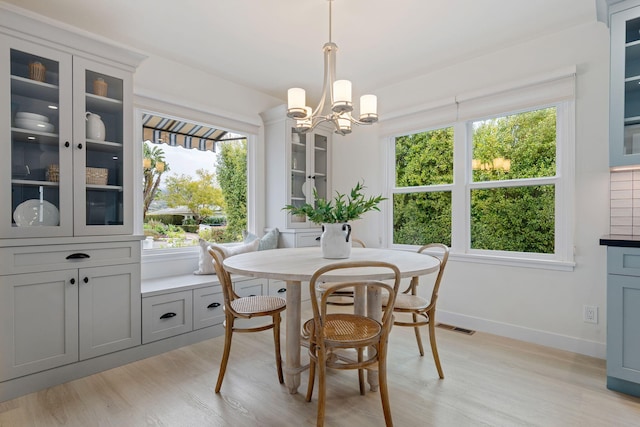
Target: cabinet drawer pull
168, 315
78, 255
282, 290
252, 295
214, 305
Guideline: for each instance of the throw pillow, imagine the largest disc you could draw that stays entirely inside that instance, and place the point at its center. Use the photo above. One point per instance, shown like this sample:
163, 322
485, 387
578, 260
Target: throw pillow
268, 241
205, 261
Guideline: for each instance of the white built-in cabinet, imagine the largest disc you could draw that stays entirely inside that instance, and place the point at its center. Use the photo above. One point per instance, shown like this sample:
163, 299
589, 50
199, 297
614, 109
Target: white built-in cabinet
64, 303
69, 262
297, 164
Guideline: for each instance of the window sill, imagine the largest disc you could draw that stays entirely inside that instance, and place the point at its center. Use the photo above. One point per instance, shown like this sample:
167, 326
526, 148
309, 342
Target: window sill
519, 260
512, 261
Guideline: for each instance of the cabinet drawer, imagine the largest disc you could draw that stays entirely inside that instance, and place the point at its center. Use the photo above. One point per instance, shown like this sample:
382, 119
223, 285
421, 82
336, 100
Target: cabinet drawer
304, 240
277, 288
166, 315
625, 261
208, 306
28, 259
250, 287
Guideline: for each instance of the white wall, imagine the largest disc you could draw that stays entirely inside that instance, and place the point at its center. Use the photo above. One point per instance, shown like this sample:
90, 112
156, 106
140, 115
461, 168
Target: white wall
536, 305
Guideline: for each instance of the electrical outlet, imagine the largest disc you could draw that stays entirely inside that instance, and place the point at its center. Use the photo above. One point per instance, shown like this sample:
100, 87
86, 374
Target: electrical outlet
590, 314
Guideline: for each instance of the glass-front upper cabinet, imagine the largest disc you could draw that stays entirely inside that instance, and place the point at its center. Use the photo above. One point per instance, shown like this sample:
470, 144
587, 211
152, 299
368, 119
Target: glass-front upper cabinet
309, 174
625, 88
102, 151
62, 171
36, 125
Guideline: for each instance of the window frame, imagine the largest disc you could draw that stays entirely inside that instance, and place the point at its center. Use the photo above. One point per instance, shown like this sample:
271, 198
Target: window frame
563, 257
151, 106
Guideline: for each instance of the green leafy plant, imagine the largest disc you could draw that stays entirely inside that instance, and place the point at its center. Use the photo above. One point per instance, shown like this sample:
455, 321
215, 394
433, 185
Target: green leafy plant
342, 208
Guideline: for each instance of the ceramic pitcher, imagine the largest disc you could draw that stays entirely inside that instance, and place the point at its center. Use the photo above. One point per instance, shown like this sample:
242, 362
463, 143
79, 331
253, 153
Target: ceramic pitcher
335, 241
95, 127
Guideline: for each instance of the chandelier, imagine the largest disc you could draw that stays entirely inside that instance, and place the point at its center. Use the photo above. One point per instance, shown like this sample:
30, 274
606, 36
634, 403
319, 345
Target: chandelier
338, 93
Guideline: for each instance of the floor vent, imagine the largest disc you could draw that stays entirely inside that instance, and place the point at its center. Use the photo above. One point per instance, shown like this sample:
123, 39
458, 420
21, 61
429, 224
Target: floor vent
455, 328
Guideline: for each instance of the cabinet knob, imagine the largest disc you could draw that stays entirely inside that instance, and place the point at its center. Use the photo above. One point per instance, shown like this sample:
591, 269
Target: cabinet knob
72, 281
85, 280
214, 305
79, 146
282, 290
168, 315
66, 144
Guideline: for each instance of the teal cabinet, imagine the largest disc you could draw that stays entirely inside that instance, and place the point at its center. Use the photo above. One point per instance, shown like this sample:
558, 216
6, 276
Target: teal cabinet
623, 319
624, 109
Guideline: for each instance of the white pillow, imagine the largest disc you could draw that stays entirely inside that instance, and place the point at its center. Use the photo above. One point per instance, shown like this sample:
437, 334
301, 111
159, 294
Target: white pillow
268, 241
205, 261
231, 250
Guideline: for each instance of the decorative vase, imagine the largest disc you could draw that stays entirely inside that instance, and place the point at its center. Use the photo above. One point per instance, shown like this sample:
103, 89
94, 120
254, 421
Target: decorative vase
335, 241
37, 71
100, 87
95, 127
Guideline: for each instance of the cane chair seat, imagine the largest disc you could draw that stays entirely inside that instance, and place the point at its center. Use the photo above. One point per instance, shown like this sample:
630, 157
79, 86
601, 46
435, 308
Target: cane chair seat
407, 302
257, 305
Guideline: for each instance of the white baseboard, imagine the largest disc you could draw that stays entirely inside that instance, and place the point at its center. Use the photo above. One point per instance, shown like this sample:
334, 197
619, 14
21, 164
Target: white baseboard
561, 342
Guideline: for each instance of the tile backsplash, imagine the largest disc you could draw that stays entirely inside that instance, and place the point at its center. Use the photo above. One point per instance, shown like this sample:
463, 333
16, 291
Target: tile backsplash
625, 203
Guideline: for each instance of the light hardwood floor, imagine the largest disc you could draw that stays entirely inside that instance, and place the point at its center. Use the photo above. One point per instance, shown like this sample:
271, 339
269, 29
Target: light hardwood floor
490, 381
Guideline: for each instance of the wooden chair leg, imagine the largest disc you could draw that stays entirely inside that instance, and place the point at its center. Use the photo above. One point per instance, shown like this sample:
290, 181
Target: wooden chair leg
434, 347
276, 339
361, 372
228, 333
384, 391
312, 371
416, 329
322, 391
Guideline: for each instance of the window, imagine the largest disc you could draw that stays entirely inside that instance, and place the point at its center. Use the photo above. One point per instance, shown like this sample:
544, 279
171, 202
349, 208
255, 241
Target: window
423, 184
194, 183
513, 189
495, 184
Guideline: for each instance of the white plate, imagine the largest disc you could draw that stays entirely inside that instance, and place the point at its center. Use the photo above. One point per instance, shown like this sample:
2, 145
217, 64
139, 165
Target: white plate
32, 116
34, 125
33, 213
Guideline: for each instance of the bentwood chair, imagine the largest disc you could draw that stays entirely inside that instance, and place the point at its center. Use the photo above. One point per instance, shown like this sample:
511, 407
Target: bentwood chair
334, 338
422, 310
340, 296
236, 307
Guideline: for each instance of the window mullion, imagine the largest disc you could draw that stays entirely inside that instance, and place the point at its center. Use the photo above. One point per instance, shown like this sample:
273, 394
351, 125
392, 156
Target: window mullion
459, 192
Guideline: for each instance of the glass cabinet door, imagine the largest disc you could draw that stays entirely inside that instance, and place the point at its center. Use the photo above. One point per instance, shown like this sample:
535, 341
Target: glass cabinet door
299, 176
625, 88
36, 162
102, 151
320, 173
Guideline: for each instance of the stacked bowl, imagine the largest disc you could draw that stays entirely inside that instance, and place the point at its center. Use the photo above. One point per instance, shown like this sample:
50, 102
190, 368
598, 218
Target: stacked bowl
33, 121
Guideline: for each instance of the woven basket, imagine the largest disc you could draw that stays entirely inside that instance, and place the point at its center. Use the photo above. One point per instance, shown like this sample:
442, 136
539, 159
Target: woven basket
54, 173
95, 176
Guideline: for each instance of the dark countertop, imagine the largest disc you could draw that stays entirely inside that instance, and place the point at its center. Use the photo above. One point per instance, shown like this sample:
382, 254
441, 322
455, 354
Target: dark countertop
621, 241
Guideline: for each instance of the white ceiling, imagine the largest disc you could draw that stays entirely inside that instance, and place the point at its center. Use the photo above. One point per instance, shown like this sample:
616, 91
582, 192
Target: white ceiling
271, 45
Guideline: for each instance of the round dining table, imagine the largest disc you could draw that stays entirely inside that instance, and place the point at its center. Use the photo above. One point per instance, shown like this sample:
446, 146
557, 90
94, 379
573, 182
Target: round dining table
297, 265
